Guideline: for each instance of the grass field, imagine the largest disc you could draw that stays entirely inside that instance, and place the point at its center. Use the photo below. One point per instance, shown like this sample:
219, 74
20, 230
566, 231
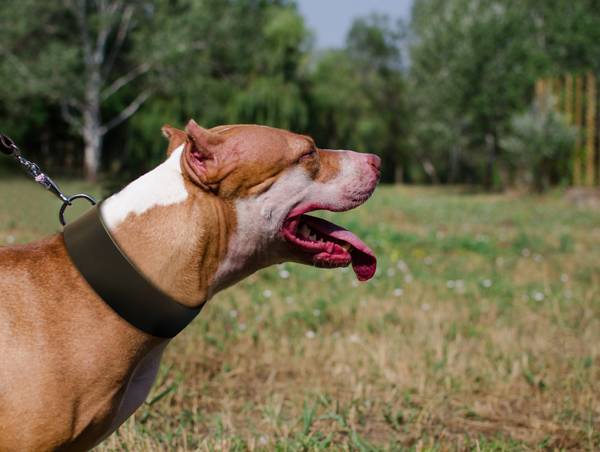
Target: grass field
480, 331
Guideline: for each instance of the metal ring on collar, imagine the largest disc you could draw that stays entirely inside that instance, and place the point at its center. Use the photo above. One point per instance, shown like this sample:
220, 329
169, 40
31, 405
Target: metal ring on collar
68, 202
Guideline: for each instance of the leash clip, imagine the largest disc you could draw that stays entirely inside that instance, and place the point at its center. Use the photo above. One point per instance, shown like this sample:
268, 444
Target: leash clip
10, 148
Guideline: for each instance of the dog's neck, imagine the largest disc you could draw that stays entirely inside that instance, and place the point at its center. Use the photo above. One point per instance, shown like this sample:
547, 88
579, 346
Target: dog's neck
174, 233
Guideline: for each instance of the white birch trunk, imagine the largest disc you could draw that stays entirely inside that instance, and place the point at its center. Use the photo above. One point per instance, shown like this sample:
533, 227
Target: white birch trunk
92, 122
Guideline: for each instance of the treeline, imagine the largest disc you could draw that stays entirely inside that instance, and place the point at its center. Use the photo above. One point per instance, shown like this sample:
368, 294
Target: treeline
85, 85
474, 67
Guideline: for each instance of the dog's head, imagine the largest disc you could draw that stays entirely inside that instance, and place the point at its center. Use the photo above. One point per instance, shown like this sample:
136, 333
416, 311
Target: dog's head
272, 178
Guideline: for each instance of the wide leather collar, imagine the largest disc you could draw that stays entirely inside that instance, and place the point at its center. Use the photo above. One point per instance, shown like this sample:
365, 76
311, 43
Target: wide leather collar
110, 274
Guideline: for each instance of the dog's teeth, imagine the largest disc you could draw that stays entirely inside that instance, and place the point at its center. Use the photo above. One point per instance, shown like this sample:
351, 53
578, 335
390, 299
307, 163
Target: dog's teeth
304, 231
313, 237
346, 246
320, 240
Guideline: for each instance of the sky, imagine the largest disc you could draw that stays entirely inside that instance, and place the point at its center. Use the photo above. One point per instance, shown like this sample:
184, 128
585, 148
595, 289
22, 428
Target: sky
331, 19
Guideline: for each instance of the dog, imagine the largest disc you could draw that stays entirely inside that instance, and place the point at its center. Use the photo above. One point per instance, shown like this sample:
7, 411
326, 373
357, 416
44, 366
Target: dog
226, 202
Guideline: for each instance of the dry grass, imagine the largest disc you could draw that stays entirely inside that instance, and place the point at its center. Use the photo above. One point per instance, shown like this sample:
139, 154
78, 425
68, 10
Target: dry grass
480, 332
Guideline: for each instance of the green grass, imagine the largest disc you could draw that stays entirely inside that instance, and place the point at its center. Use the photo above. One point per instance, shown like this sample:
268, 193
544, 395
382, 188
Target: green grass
480, 331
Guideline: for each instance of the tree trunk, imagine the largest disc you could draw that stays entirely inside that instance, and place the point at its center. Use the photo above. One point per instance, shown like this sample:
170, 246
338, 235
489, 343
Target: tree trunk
398, 174
92, 138
454, 161
489, 164
428, 167
92, 125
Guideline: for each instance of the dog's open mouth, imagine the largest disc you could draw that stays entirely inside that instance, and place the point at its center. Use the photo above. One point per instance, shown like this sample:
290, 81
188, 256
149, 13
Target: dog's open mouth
330, 245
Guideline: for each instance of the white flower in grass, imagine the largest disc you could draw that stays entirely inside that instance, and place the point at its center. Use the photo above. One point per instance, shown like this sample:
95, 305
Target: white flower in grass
524, 298
450, 284
391, 272
398, 292
289, 300
425, 306
525, 252
355, 283
317, 312
408, 278
539, 296
310, 334
353, 338
428, 260
459, 283
335, 334
363, 303
258, 318
487, 283
242, 326
284, 274
10, 239
344, 269
538, 258
267, 293
402, 266
499, 261
233, 313
262, 441
564, 278
568, 294
280, 266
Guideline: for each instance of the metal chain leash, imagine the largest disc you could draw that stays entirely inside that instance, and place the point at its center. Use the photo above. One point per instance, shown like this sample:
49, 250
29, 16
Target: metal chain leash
9, 148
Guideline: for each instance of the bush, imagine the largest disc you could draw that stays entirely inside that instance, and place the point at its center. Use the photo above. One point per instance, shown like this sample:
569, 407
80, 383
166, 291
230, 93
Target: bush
539, 146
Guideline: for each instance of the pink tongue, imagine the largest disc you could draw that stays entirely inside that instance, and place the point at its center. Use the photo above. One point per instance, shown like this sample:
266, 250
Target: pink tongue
364, 262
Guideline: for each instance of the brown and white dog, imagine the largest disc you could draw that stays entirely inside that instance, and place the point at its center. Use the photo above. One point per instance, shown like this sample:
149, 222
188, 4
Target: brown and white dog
226, 203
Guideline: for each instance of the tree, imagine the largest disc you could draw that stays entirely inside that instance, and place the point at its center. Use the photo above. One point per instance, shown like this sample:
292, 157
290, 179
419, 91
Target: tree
539, 144
91, 57
252, 70
474, 65
357, 95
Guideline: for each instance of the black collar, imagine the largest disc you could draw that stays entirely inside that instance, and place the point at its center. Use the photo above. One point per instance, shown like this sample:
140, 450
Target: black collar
118, 282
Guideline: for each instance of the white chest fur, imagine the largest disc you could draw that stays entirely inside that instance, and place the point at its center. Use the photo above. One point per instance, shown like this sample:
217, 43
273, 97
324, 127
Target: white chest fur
138, 388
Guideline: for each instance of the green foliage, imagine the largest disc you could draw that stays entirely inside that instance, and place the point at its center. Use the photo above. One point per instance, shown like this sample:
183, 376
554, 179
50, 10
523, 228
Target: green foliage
357, 95
474, 64
539, 145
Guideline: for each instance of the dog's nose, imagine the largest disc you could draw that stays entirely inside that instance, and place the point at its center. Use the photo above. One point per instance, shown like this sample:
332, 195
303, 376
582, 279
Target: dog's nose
375, 161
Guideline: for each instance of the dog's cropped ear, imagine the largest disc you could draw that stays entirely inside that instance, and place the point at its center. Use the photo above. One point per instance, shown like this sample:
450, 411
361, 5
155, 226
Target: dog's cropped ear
175, 136
201, 156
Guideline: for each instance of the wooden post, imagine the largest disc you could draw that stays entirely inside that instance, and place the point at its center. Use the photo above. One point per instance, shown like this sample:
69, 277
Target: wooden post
557, 92
569, 99
539, 89
590, 129
569, 119
578, 124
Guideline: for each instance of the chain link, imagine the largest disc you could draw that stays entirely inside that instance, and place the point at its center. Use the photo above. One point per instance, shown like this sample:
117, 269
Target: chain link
9, 148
